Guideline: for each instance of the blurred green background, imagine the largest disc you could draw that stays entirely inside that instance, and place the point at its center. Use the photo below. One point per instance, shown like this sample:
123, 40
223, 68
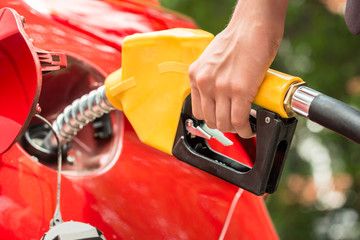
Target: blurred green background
319, 193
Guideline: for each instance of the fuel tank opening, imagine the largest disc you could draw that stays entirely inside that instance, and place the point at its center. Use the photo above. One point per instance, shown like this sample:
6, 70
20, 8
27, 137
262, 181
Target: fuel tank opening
97, 144
32, 142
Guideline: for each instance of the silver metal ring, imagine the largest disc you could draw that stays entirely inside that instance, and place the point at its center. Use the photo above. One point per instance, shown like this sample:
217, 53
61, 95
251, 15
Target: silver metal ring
302, 99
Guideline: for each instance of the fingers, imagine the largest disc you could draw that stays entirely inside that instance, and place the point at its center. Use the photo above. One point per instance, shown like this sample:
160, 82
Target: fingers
218, 95
223, 114
208, 109
220, 107
203, 108
240, 111
196, 104
202, 96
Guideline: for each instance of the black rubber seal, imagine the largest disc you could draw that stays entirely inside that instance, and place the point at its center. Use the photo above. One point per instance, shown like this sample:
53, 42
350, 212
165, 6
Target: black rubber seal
336, 116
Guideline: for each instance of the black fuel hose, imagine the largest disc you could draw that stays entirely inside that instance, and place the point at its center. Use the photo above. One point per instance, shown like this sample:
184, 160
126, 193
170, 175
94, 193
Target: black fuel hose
337, 116
328, 112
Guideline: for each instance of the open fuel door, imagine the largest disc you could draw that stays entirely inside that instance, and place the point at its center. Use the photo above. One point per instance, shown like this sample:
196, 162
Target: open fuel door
20, 78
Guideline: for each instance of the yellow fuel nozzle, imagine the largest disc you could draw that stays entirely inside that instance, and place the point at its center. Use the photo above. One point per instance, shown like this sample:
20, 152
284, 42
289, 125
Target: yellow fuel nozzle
153, 83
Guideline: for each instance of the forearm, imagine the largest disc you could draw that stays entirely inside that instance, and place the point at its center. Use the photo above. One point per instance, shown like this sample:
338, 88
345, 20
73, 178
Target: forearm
257, 28
259, 17
261, 12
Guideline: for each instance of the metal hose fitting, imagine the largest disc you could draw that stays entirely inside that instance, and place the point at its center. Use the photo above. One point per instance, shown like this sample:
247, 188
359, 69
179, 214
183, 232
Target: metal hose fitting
75, 116
302, 99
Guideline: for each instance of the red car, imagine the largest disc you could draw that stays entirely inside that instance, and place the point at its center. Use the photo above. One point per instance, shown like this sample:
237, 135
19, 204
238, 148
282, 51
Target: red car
124, 188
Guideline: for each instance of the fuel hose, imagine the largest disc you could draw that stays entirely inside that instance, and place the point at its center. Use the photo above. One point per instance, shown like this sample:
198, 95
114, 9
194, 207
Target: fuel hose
328, 112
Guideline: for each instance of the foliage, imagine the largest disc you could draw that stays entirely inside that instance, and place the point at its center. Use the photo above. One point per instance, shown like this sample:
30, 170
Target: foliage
318, 197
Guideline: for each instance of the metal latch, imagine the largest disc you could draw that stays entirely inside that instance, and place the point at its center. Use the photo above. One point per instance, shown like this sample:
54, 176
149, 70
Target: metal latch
202, 130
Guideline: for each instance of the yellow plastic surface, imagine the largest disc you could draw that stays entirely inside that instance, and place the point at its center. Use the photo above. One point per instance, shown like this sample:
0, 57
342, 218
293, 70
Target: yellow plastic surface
272, 91
154, 81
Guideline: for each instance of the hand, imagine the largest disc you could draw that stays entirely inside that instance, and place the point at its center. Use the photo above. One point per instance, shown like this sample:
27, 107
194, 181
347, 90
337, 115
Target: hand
225, 79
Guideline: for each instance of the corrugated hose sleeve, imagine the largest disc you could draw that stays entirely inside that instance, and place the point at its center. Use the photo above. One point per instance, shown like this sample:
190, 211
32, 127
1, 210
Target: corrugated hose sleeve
336, 116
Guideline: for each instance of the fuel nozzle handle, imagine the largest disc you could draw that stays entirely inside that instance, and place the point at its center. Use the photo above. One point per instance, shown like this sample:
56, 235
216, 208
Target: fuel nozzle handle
328, 112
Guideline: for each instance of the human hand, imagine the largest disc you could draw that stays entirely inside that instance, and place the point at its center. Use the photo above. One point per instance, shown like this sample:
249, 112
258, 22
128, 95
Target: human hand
225, 79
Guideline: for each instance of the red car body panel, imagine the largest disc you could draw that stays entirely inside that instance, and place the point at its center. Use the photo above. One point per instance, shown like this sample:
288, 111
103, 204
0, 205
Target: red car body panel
139, 192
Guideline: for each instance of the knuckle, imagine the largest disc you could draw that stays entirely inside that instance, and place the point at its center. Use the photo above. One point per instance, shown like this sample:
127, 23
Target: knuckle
222, 126
242, 127
238, 122
192, 71
222, 86
202, 80
198, 77
238, 89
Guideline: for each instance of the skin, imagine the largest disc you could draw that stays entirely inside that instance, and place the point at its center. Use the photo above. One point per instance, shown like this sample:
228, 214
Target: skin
225, 79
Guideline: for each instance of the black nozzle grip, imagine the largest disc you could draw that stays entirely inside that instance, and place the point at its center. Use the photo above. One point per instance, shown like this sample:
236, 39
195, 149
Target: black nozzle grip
336, 116
274, 135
